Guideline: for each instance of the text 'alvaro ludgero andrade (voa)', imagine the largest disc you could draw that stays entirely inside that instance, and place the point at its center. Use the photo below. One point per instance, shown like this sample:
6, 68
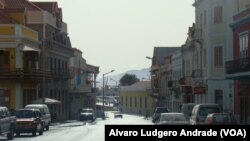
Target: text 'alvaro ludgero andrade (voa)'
174, 132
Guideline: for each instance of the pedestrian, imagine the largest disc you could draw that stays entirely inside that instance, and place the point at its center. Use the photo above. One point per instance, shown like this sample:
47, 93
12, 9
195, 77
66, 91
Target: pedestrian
54, 117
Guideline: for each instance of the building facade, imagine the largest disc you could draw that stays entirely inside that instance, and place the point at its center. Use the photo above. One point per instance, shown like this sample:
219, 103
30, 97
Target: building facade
54, 48
237, 68
136, 99
214, 45
19, 68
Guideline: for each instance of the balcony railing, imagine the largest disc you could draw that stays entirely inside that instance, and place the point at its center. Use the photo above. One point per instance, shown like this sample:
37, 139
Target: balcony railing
25, 74
60, 74
238, 66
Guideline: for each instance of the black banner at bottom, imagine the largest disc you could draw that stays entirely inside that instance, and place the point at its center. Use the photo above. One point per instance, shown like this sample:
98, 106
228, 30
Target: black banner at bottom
176, 132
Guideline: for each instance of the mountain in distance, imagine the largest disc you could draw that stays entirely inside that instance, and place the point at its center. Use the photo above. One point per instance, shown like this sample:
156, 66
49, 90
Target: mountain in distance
142, 74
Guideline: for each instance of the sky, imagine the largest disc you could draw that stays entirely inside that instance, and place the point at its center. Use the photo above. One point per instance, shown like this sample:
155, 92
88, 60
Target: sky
119, 34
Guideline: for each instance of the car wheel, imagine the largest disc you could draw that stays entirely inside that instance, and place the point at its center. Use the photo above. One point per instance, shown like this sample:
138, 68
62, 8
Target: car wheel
41, 132
10, 135
17, 134
34, 133
47, 128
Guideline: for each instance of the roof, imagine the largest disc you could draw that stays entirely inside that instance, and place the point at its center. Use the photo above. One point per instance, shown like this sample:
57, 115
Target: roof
161, 52
21, 4
139, 86
4, 19
47, 6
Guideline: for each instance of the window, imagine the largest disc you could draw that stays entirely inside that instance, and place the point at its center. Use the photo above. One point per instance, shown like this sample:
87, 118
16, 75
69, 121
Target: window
218, 15
205, 57
218, 57
130, 101
135, 102
243, 39
140, 102
205, 16
126, 101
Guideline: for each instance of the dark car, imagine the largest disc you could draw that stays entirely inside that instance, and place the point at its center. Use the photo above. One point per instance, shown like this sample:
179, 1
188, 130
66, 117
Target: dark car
29, 121
118, 114
220, 119
86, 114
157, 113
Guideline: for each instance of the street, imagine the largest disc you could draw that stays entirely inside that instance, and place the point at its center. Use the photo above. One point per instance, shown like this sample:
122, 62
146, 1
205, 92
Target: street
79, 131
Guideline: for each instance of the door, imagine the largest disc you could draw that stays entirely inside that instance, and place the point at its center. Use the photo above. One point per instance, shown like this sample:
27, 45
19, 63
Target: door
4, 121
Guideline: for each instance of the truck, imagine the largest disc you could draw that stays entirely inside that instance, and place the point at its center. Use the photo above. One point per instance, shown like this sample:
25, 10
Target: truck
7, 123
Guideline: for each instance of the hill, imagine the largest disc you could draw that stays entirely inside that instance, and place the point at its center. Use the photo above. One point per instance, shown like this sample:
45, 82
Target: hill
142, 74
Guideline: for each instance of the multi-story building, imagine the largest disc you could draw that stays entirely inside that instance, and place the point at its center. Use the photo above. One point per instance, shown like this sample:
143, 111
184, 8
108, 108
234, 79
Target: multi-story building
213, 44
176, 73
159, 75
237, 68
55, 47
20, 73
82, 84
136, 99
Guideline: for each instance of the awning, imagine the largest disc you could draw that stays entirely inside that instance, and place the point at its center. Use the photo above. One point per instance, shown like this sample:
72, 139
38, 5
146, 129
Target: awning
28, 48
199, 90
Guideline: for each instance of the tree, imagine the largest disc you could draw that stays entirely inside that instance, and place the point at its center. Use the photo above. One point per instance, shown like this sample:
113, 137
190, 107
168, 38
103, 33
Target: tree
128, 79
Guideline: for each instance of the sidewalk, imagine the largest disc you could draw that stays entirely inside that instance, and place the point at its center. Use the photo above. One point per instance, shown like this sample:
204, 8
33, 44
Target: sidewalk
71, 123
67, 123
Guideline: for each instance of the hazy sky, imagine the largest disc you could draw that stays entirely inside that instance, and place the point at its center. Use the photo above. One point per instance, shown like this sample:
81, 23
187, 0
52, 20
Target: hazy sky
119, 34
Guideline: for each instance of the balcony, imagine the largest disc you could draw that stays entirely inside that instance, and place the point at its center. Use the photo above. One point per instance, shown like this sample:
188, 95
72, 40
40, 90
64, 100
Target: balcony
62, 74
198, 34
36, 75
238, 66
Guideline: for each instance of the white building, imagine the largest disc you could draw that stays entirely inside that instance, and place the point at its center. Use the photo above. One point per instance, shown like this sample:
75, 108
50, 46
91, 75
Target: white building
213, 18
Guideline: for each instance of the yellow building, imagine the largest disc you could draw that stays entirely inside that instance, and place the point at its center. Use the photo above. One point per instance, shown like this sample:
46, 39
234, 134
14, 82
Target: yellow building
135, 99
19, 63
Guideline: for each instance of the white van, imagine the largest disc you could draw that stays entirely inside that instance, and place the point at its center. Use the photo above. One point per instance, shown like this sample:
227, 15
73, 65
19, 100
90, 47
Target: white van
200, 112
46, 117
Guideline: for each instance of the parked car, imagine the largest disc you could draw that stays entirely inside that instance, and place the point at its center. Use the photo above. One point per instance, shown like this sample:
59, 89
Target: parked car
118, 114
200, 112
29, 121
46, 116
7, 123
220, 119
187, 108
157, 113
172, 119
86, 114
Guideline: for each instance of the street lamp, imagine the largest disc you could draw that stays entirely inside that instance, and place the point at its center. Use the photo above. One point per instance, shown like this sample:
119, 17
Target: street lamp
149, 57
103, 92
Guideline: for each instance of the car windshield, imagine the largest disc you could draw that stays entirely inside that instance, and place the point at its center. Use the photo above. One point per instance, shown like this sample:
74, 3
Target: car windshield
25, 114
87, 111
204, 111
222, 118
161, 110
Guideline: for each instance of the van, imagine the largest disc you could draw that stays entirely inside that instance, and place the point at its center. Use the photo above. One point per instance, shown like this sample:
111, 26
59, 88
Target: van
200, 112
46, 116
187, 108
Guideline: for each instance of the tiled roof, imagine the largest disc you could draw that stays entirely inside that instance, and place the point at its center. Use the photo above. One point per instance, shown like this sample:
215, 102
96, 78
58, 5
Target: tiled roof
4, 19
21, 4
47, 6
139, 86
161, 52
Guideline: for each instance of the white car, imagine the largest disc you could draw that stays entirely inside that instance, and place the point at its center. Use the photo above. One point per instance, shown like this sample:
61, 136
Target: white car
172, 119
